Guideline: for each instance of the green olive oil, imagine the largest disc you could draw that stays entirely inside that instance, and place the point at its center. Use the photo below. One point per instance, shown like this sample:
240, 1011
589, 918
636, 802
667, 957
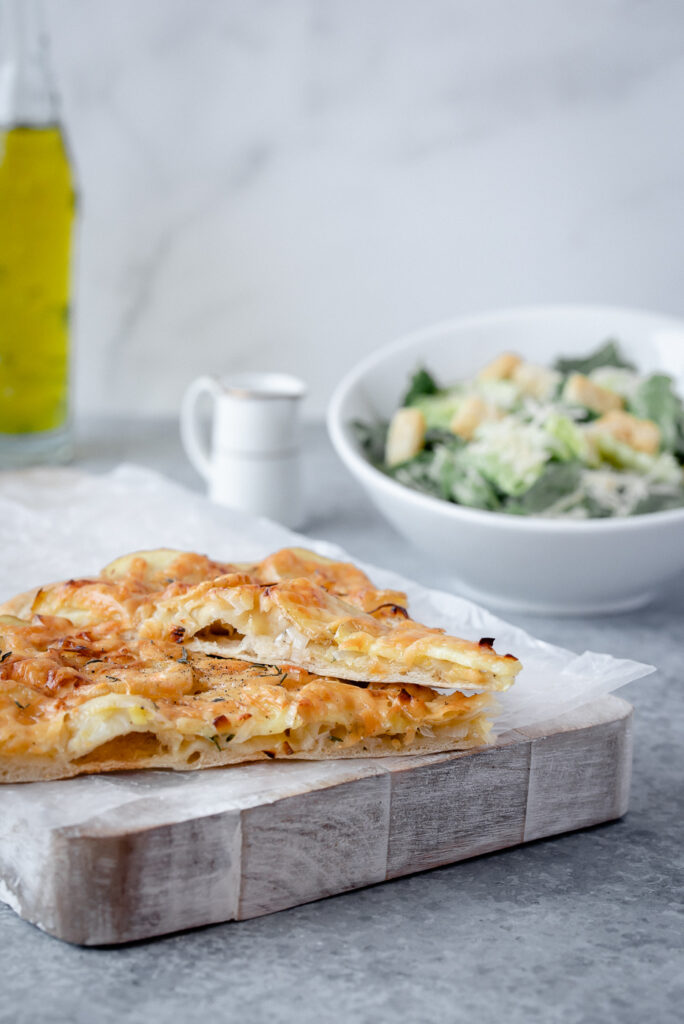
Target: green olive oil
36, 214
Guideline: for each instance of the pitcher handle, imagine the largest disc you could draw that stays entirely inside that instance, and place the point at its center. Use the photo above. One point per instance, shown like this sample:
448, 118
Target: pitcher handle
195, 448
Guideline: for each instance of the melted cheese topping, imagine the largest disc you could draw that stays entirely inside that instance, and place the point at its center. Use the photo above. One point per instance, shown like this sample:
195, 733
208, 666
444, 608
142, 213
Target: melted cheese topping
294, 605
60, 699
97, 675
302, 622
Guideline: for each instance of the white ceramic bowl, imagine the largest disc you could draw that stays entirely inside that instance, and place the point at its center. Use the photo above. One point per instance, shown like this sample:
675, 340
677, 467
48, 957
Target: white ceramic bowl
532, 564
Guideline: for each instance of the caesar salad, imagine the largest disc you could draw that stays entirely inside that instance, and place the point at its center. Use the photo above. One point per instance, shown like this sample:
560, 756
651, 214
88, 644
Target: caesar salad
584, 438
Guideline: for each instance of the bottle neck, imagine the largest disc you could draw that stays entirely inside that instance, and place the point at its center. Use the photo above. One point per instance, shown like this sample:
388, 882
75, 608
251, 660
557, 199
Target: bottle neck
27, 95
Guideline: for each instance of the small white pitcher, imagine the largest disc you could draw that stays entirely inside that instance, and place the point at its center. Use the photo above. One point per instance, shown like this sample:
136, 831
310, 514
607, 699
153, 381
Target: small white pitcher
253, 460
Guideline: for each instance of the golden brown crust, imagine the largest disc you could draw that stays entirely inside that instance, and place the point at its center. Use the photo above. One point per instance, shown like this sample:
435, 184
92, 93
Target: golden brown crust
299, 621
36, 770
339, 578
294, 605
95, 674
71, 703
157, 569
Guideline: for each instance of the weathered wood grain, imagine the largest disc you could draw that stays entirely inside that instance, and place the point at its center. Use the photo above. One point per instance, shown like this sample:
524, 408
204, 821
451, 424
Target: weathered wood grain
162, 853
148, 882
580, 769
311, 846
456, 806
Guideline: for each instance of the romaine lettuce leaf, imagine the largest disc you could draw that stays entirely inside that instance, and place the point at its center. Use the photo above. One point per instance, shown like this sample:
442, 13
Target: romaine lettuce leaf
659, 502
439, 409
462, 482
504, 394
418, 473
437, 436
372, 438
616, 378
475, 491
422, 383
567, 440
510, 454
558, 480
655, 399
594, 508
662, 468
608, 354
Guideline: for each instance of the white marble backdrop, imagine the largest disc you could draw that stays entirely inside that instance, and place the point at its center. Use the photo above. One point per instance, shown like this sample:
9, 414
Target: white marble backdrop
290, 184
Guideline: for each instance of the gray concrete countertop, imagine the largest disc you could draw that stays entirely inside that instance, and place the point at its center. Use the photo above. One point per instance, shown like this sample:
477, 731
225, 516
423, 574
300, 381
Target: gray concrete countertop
584, 927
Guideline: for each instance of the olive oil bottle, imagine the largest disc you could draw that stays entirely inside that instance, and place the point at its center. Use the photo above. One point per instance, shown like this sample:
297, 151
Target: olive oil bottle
37, 203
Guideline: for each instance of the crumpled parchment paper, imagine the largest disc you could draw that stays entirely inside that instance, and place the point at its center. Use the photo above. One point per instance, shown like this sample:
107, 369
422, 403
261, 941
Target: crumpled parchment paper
59, 523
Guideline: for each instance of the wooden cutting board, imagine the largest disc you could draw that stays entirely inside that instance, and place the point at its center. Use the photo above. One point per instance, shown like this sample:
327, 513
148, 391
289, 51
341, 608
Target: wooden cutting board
109, 859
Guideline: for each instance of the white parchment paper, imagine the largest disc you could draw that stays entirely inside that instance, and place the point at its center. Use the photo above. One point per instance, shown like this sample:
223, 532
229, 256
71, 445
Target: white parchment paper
58, 523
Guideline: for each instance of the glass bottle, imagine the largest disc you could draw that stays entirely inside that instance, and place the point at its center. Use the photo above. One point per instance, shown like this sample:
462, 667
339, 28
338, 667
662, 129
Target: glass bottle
37, 207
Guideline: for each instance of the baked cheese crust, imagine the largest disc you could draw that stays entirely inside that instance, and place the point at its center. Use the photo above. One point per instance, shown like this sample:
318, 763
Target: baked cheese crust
300, 622
91, 701
172, 660
293, 606
325, 616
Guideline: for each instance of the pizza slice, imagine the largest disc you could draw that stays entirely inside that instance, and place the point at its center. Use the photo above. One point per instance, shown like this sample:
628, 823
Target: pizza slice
303, 623
294, 606
75, 701
171, 659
